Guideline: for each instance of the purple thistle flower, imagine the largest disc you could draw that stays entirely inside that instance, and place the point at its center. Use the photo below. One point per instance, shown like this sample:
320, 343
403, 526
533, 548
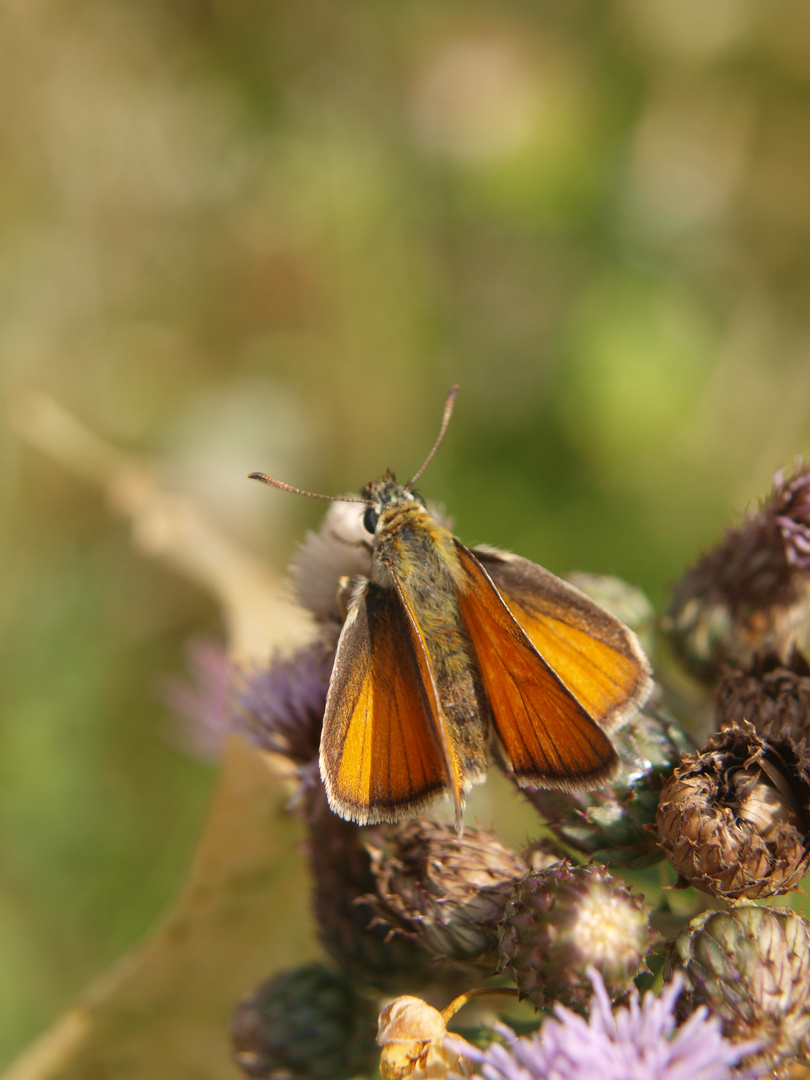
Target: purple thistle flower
751, 593
639, 1041
280, 707
202, 705
790, 505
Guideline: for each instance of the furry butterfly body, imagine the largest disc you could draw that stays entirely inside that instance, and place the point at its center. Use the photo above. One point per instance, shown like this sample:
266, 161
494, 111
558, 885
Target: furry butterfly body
449, 653
446, 650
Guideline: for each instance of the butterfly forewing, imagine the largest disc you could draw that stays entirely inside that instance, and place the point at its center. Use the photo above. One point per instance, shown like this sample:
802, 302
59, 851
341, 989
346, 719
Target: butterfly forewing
594, 653
381, 754
547, 735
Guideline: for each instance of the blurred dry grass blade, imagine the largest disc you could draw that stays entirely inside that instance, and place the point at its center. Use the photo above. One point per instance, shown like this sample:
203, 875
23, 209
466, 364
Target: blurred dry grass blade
163, 1010
168, 527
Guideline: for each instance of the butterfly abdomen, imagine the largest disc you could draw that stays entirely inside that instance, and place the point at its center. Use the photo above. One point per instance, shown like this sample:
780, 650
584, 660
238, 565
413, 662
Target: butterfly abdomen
420, 554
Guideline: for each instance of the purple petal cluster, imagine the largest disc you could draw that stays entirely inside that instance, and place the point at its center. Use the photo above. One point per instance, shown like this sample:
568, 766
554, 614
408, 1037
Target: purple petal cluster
202, 705
639, 1041
280, 707
790, 505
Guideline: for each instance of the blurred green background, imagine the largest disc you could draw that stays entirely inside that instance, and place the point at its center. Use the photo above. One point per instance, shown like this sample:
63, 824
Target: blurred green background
240, 236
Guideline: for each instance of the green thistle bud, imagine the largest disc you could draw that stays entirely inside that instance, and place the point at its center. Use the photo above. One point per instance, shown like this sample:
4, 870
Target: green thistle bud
752, 592
751, 967
612, 825
565, 920
304, 1024
774, 697
446, 892
733, 819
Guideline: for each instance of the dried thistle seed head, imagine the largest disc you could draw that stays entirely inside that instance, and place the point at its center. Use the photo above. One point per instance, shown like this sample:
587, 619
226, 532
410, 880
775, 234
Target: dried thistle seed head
304, 1024
751, 967
446, 892
773, 696
611, 825
751, 592
734, 820
340, 872
565, 921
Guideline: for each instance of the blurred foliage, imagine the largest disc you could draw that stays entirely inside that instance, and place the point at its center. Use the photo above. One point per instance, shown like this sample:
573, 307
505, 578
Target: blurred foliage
240, 236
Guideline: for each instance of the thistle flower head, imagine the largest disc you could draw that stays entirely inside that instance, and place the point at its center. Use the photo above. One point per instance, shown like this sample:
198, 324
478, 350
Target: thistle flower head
339, 548
734, 819
611, 825
565, 920
203, 704
751, 967
445, 891
790, 506
751, 592
303, 1024
638, 1041
280, 706
341, 874
772, 695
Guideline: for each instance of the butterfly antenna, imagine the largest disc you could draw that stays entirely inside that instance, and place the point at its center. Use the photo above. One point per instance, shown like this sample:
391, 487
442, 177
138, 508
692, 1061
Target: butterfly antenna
448, 411
265, 479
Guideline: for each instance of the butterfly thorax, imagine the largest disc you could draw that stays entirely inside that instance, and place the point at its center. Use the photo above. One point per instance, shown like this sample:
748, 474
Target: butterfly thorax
416, 555
410, 543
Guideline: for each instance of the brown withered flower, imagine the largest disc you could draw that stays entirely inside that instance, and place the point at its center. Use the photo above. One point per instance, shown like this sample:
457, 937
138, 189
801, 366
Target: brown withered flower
734, 818
752, 591
445, 891
413, 1038
772, 695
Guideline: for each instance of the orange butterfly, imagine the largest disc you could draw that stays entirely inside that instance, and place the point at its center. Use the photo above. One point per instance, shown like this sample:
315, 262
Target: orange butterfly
444, 646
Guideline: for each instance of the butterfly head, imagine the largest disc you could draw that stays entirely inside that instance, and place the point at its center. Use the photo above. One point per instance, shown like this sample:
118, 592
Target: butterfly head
385, 495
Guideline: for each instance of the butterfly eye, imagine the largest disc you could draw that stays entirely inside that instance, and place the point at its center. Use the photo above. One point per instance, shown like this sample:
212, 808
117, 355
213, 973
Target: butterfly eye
370, 519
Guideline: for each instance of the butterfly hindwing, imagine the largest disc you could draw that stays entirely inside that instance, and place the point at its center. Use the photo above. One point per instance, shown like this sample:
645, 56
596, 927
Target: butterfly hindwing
381, 751
548, 736
596, 655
